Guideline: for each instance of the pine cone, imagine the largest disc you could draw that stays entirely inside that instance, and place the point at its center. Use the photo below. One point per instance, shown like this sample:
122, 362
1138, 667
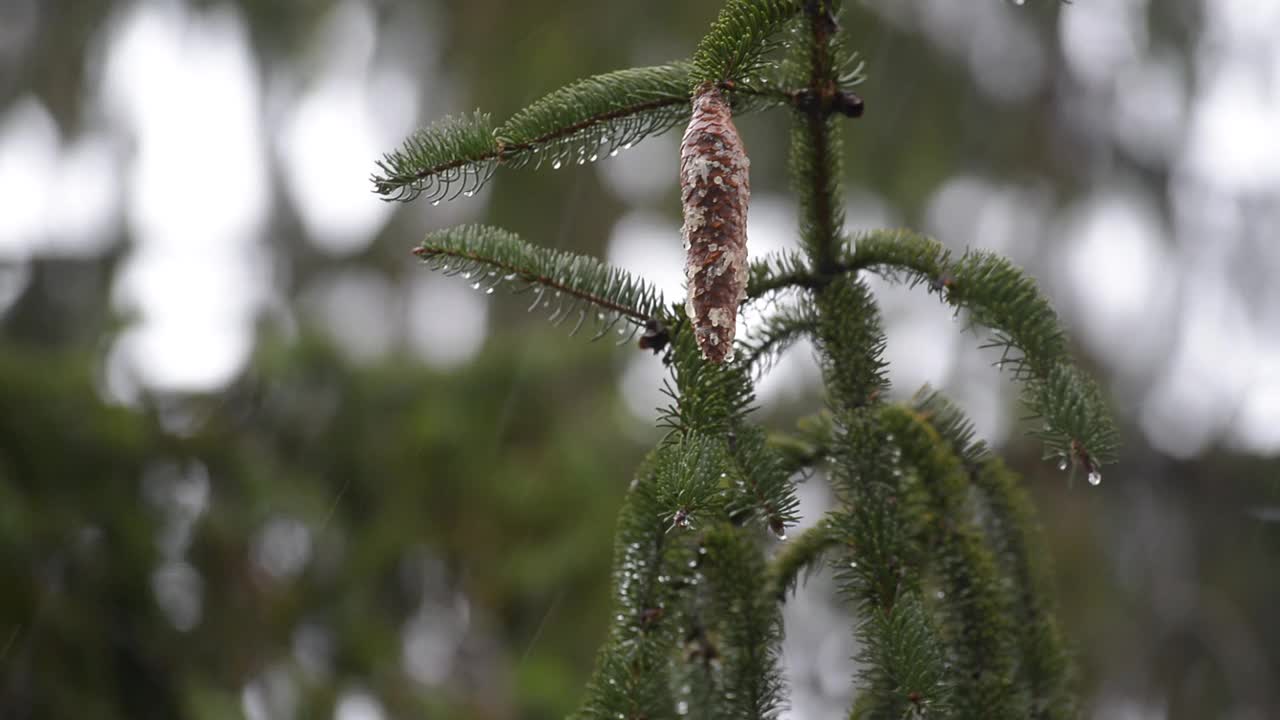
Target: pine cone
715, 191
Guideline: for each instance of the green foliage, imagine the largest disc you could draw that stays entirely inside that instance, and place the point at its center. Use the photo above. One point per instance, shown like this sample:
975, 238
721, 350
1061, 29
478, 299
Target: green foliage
798, 558
582, 122
452, 156
1077, 424
932, 542
598, 116
750, 627
630, 679
739, 38
780, 330
566, 284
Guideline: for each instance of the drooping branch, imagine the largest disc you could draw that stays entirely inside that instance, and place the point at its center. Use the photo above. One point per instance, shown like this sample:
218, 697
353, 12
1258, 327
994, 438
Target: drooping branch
975, 609
798, 558
1078, 428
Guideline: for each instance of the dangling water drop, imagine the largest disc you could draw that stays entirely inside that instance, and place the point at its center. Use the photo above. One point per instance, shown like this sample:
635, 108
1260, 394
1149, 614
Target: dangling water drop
594, 157
778, 529
435, 203
470, 193
488, 291
1095, 478
613, 152
1062, 463
475, 285
555, 165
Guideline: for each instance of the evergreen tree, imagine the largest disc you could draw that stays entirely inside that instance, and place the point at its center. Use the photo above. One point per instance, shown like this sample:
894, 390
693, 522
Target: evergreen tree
933, 540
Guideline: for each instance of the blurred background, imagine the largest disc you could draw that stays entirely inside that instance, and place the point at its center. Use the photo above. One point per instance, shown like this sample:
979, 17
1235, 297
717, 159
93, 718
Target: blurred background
256, 463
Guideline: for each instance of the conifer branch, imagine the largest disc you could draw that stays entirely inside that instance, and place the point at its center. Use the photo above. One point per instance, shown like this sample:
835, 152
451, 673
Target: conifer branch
810, 445
1078, 426
851, 343
453, 155
493, 256
630, 679
582, 122
780, 331
738, 39
951, 424
706, 397
797, 558
688, 480
975, 608
761, 481
750, 625
1045, 667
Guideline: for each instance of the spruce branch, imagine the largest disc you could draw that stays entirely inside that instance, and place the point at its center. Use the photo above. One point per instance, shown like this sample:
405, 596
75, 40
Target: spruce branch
705, 397
975, 609
565, 283
811, 444
750, 626
454, 155
688, 480
1077, 423
1045, 668
777, 271
582, 122
630, 678
903, 656
597, 116
949, 421
738, 39
851, 343
759, 481
780, 330
797, 559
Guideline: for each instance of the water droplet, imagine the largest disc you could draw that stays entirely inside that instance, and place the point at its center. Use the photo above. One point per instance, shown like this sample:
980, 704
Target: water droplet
854, 564
682, 708
435, 203
1062, 464
693, 563
594, 157
582, 160
488, 291
613, 152
626, 146
475, 285
509, 277
1095, 478
466, 275
941, 595
470, 193
556, 164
